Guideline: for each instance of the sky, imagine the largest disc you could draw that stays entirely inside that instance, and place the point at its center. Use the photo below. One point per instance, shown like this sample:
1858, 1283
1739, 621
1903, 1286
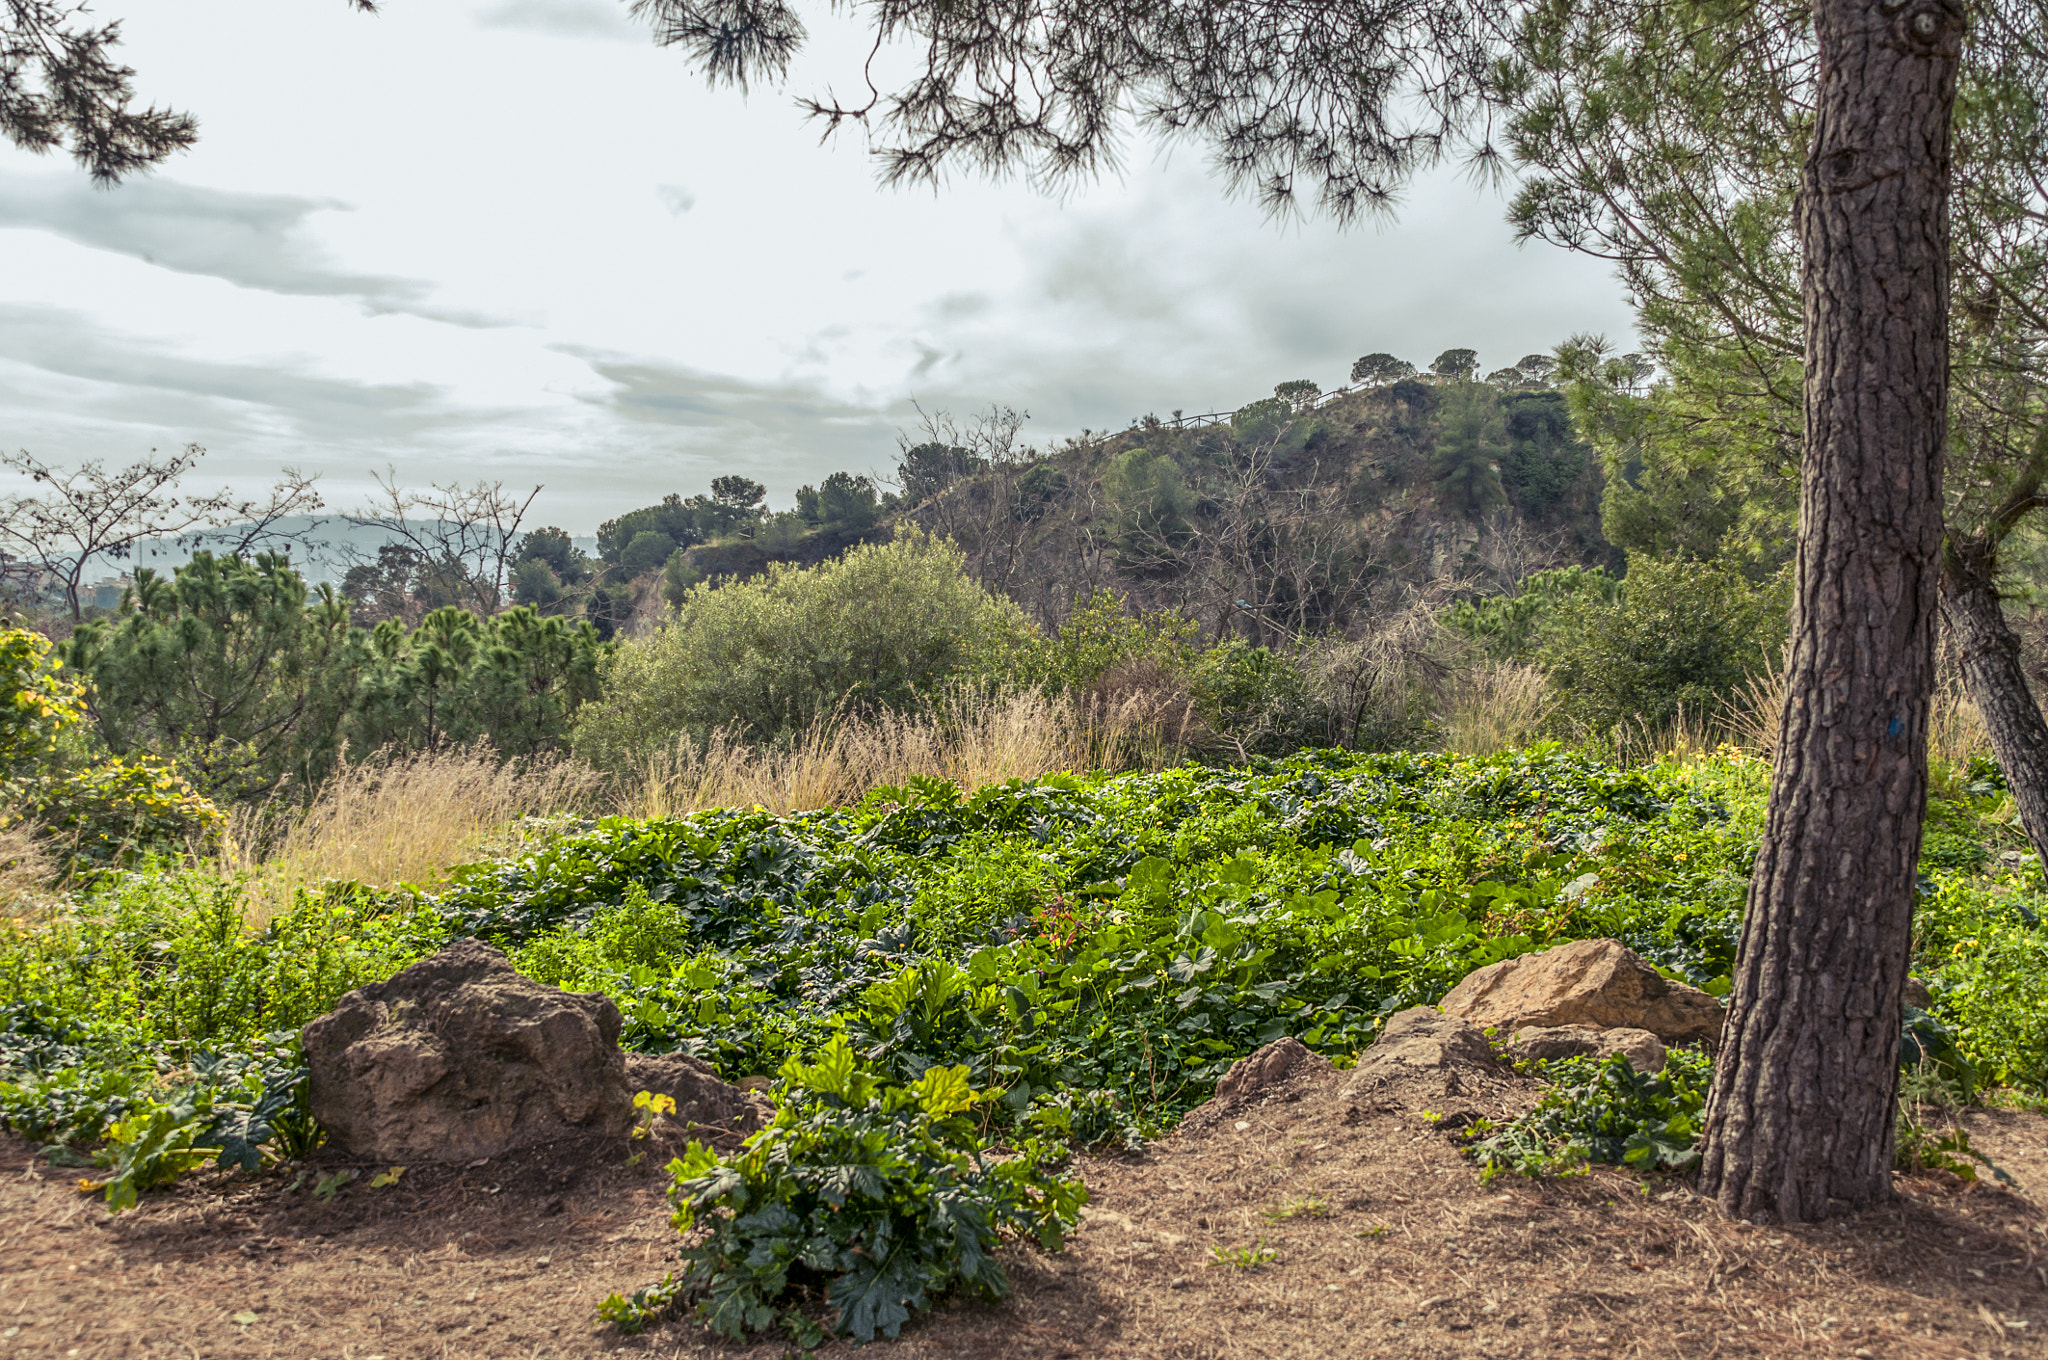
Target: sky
513, 240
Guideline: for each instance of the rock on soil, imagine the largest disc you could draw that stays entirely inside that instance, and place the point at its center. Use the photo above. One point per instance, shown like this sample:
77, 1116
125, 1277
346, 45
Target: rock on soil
706, 1106
1422, 1042
1596, 983
459, 1057
1272, 1065
1642, 1049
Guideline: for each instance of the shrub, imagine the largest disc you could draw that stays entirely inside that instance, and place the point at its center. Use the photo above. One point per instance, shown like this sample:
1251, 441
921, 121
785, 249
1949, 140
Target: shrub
1680, 640
1100, 635
64, 806
880, 1195
875, 628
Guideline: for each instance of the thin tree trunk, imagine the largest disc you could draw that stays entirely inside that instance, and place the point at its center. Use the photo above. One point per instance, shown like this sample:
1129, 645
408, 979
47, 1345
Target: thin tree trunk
1990, 654
1800, 1122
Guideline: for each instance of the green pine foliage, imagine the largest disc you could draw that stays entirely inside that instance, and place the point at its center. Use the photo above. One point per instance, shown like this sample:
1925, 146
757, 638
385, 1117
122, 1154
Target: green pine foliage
252, 684
1471, 442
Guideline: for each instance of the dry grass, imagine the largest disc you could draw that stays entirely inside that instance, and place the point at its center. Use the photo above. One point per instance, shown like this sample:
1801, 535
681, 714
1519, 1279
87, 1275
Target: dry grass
27, 874
1496, 706
973, 737
407, 821
1955, 729
390, 822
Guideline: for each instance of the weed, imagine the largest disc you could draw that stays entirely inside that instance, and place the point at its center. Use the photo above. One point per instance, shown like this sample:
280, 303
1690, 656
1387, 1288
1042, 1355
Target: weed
332, 1184
1306, 1206
1253, 1257
651, 1106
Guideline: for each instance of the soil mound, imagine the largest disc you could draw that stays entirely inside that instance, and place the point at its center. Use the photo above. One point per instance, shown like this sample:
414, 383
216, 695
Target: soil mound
707, 1107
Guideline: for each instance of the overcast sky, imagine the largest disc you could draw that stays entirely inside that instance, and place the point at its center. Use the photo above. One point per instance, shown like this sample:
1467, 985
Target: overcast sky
512, 239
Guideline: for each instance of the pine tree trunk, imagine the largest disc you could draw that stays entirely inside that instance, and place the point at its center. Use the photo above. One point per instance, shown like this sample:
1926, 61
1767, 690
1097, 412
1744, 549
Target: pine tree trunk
1800, 1122
1998, 685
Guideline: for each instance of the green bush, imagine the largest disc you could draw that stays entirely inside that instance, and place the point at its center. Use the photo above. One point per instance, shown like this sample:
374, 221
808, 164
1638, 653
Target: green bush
1099, 635
878, 627
93, 811
1518, 626
877, 1196
1681, 639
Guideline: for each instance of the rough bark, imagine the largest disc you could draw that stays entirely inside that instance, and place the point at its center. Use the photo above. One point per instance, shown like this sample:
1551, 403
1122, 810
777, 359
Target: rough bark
1800, 1122
1990, 656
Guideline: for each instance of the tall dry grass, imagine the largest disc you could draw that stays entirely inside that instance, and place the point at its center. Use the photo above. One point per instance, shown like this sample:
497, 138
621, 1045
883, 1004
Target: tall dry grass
1495, 706
973, 736
406, 821
28, 876
1955, 729
399, 821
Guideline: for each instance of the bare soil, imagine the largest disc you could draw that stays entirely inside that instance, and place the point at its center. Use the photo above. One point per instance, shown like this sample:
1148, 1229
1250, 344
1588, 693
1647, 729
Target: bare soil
1363, 1230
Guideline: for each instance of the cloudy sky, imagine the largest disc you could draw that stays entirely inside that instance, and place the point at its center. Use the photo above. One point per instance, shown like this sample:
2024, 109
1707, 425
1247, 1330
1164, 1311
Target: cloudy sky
513, 240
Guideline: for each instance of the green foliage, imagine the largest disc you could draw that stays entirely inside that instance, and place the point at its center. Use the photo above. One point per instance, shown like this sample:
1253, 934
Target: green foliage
1102, 633
647, 552
230, 668
843, 502
246, 683
1380, 369
1602, 1110
1094, 952
1258, 698
1455, 365
95, 812
1151, 505
1516, 627
925, 470
1471, 442
1680, 639
1546, 462
37, 704
1300, 393
553, 548
876, 627
877, 1195
514, 680
1992, 952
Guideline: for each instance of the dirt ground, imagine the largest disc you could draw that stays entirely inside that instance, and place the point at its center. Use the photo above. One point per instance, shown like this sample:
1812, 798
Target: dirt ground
1363, 1232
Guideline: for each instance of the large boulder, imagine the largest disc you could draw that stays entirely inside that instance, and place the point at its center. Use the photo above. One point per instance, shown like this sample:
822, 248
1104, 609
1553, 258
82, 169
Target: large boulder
459, 1057
1597, 983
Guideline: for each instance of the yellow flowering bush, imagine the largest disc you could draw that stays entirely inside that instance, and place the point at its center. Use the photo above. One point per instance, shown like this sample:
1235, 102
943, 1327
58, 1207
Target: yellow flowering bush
99, 812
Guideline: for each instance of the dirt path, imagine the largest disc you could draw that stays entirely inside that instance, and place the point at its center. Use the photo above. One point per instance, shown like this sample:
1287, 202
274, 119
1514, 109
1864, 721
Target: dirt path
1382, 1243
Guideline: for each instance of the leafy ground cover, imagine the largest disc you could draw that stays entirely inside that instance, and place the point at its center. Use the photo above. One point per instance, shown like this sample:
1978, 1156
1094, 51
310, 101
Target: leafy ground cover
1097, 950
1036, 964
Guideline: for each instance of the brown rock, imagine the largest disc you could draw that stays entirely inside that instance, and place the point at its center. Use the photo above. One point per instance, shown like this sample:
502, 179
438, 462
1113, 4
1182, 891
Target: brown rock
1424, 1042
1270, 1066
1586, 982
705, 1103
1644, 1051
1917, 995
459, 1057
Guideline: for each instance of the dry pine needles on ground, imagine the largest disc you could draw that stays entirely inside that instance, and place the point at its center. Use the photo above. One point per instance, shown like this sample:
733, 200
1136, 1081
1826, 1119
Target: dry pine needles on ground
1290, 1224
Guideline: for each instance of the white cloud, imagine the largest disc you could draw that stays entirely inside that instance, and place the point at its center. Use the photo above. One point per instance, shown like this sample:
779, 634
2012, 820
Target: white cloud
518, 254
